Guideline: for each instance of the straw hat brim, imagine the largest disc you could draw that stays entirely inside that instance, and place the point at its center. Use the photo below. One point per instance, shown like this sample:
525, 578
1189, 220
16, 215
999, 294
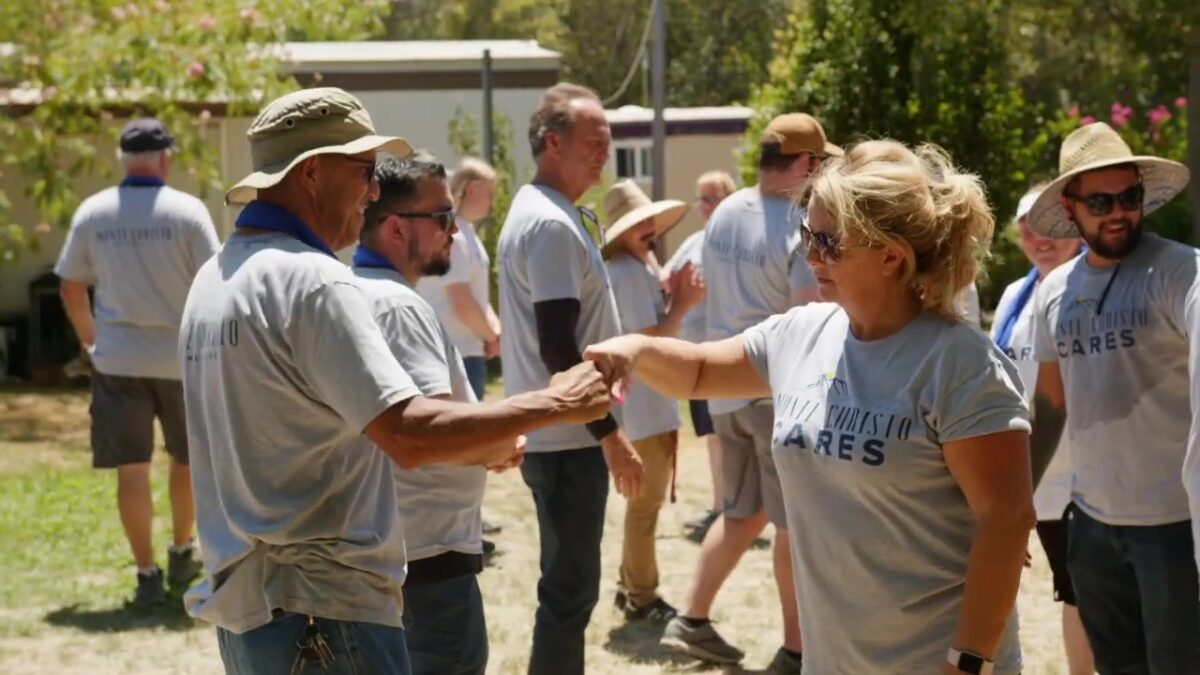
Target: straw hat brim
246, 189
1161, 178
666, 214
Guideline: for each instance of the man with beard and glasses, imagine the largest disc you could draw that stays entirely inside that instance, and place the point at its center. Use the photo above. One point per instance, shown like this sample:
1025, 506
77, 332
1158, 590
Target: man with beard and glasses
407, 234
1112, 337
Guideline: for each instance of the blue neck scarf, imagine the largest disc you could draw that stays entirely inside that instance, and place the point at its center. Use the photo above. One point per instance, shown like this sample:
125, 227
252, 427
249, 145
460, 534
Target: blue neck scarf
365, 257
1008, 321
142, 181
267, 216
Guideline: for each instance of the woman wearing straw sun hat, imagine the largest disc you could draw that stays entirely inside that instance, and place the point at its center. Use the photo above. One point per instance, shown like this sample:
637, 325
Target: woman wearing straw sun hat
1112, 333
650, 420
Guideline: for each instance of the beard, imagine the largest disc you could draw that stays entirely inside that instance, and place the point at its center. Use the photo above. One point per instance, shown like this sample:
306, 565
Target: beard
436, 268
1118, 251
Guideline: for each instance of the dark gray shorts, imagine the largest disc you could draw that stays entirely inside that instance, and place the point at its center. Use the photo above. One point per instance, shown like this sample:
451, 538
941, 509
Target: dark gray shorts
749, 476
123, 412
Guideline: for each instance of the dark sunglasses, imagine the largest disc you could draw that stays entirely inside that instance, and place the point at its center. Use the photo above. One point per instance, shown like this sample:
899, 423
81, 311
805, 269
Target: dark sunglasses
444, 219
827, 245
1102, 203
368, 163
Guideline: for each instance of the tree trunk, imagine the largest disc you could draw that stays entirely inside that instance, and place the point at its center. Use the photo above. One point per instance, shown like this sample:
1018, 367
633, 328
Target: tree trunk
1193, 132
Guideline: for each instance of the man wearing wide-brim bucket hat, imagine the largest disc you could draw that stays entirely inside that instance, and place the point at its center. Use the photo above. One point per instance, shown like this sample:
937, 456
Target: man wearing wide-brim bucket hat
1112, 334
650, 419
284, 370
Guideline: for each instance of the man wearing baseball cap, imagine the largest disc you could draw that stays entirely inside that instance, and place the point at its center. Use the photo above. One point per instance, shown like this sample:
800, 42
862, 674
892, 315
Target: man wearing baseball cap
1112, 333
752, 272
138, 245
284, 367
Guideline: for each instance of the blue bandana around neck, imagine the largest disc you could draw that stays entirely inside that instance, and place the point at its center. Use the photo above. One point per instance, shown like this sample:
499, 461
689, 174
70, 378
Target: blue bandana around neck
1008, 321
142, 181
267, 216
365, 257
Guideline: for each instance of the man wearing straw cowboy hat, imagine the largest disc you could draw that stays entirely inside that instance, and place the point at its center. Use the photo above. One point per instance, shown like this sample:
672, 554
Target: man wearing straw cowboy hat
1111, 336
283, 368
752, 273
650, 420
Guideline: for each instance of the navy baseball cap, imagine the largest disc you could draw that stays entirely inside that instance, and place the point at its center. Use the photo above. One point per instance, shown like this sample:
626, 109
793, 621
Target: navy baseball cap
145, 135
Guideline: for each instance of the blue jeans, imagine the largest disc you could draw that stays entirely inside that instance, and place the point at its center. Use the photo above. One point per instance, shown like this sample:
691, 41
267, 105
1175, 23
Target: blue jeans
1136, 588
446, 630
357, 648
476, 367
570, 489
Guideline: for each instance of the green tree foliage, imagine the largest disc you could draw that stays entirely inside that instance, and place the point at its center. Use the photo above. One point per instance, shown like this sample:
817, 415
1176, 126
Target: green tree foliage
78, 65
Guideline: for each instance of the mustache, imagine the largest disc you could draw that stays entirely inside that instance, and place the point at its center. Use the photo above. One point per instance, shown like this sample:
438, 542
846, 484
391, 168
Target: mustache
1126, 222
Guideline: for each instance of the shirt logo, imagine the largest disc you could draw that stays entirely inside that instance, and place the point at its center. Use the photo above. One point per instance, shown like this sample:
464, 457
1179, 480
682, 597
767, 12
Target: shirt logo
830, 381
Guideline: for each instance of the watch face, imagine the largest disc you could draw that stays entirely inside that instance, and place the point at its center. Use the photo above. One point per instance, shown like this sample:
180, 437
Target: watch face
970, 663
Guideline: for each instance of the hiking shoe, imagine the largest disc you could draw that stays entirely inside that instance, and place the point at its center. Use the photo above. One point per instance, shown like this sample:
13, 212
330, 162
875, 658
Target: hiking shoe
695, 530
700, 642
784, 664
150, 591
658, 612
182, 567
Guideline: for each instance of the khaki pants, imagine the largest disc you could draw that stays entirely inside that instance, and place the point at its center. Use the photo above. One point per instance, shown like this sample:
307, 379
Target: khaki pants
639, 563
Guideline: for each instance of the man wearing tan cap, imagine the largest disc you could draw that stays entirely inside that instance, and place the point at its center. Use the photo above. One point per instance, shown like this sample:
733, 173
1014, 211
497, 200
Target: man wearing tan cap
283, 368
752, 272
1111, 335
650, 420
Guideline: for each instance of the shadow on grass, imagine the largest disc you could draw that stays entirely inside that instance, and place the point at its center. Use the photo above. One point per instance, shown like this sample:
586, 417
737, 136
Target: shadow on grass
638, 642
124, 618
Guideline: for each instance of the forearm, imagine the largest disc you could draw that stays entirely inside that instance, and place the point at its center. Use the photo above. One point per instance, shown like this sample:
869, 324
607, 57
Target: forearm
669, 366
468, 310
1048, 423
428, 431
993, 578
668, 327
78, 307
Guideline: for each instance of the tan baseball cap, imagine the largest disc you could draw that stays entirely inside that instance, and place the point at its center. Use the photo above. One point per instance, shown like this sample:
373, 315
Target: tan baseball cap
299, 125
797, 133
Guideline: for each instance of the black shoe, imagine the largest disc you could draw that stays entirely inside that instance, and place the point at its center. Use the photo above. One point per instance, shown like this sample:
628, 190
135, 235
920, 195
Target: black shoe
491, 528
489, 547
696, 530
659, 612
150, 591
183, 568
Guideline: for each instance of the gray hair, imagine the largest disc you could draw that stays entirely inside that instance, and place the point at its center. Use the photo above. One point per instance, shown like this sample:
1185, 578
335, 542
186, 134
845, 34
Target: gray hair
552, 113
131, 160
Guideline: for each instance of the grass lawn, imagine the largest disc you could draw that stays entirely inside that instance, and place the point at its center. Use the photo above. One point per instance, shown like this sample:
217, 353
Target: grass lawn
66, 569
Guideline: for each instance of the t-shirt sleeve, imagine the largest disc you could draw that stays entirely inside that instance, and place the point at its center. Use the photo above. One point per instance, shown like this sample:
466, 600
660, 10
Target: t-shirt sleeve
341, 353
75, 259
971, 401
552, 262
417, 341
634, 307
1177, 288
460, 263
203, 242
758, 340
1044, 349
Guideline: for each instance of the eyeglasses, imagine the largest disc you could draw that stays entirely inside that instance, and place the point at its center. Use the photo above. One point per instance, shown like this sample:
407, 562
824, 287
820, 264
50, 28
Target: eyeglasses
827, 245
1102, 203
368, 163
444, 219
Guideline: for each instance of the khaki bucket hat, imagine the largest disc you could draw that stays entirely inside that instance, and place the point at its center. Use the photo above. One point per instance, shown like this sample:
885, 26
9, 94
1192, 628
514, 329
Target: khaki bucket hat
299, 125
1096, 146
626, 206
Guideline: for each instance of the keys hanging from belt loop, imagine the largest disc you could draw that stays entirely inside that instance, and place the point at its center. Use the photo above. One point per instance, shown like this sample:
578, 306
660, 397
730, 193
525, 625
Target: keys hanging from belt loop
312, 647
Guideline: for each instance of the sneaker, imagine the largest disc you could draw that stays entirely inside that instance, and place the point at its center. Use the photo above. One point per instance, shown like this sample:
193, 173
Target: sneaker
489, 548
182, 567
784, 664
150, 591
696, 530
657, 612
491, 528
701, 642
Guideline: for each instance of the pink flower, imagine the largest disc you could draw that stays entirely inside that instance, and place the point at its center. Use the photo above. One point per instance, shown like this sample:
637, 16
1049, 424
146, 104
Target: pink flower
205, 116
118, 13
195, 69
1087, 120
1120, 114
162, 6
49, 92
1181, 102
1158, 115
249, 15
1073, 111
206, 23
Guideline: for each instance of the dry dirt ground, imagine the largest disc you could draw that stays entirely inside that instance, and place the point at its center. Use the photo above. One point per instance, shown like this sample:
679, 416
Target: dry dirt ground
65, 570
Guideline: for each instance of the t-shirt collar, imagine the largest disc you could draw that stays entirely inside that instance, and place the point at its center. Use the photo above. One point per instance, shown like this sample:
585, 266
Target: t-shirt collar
267, 216
142, 181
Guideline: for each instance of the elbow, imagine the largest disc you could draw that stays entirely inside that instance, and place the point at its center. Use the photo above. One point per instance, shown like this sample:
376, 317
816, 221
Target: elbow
407, 453
1011, 520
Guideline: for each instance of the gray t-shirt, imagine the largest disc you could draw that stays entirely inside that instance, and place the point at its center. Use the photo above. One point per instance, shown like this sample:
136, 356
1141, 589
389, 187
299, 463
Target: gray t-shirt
752, 265
439, 505
881, 531
283, 367
140, 247
1125, 371
469, 264
1054, 492
694, 327
640, 302
545, 253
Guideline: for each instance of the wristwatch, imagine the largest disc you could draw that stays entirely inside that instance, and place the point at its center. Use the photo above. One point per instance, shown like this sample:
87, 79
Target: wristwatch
968, 662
